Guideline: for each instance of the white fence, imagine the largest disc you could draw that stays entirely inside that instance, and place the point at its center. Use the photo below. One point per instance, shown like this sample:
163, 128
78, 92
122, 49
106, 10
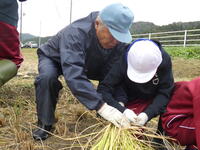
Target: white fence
174, 38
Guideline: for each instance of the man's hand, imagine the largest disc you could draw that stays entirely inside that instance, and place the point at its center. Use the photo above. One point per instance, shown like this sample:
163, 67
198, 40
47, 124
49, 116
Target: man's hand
141, 119
113, 115
130, 115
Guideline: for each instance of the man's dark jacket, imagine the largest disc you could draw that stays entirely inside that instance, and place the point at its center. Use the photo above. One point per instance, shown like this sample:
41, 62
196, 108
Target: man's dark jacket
77, 50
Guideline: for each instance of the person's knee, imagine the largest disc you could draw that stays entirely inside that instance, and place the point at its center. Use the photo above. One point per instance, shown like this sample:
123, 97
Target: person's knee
8, 70
47, 80
183, 139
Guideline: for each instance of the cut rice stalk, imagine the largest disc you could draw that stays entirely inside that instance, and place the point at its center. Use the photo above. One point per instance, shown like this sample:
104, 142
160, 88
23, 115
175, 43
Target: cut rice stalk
135, 138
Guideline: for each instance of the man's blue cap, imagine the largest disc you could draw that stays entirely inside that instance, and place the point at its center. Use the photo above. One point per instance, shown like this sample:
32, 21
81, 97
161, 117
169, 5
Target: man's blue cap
118, 18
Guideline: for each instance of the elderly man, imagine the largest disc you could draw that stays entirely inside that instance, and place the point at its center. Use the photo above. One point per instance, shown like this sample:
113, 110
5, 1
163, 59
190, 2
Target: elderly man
85, 49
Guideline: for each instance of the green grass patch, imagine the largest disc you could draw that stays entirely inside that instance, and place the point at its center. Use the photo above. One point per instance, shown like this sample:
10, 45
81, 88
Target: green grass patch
184, 52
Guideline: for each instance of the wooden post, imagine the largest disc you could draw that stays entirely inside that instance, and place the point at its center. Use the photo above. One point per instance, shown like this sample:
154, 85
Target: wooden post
185, 39
149, 36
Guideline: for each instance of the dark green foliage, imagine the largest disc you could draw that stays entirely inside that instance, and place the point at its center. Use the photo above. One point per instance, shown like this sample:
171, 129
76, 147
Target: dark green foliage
28, 37
148, 27
143, 27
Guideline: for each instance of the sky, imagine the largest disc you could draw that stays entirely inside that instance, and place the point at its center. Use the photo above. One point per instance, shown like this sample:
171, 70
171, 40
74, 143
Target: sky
47, 17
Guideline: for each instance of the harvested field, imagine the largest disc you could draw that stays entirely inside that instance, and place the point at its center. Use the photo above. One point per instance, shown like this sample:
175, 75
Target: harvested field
18, 113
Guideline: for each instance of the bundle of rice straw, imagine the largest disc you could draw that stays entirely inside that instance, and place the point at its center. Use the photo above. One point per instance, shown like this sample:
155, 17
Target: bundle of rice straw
134, 138
105, 136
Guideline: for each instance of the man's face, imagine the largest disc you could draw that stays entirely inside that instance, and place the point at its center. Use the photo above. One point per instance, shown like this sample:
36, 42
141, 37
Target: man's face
104, 36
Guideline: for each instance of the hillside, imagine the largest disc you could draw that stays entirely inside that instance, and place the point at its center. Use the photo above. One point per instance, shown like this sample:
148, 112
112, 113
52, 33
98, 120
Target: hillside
148, 27
137, 28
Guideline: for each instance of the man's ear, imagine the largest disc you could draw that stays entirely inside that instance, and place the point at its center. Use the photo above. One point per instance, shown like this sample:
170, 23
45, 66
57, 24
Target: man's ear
96, 23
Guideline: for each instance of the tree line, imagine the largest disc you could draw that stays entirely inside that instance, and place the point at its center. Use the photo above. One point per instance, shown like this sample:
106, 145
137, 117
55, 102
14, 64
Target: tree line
148, 27
137, 28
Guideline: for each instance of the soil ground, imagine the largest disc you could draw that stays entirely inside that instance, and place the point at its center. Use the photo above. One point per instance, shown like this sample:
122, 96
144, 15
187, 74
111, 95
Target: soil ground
185, 69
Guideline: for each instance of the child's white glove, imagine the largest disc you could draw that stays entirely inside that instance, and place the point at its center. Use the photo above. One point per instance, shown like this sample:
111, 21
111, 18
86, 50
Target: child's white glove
141, 119
130, 115
113, 115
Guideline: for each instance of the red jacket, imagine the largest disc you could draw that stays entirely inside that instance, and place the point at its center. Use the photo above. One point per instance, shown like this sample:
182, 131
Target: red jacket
186, 101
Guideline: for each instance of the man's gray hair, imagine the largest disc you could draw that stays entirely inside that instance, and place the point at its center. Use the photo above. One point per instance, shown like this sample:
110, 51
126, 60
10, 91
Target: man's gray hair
100, 20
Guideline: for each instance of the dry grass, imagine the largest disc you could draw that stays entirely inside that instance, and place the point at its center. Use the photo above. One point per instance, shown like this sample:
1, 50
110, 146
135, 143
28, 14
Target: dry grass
18, 115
